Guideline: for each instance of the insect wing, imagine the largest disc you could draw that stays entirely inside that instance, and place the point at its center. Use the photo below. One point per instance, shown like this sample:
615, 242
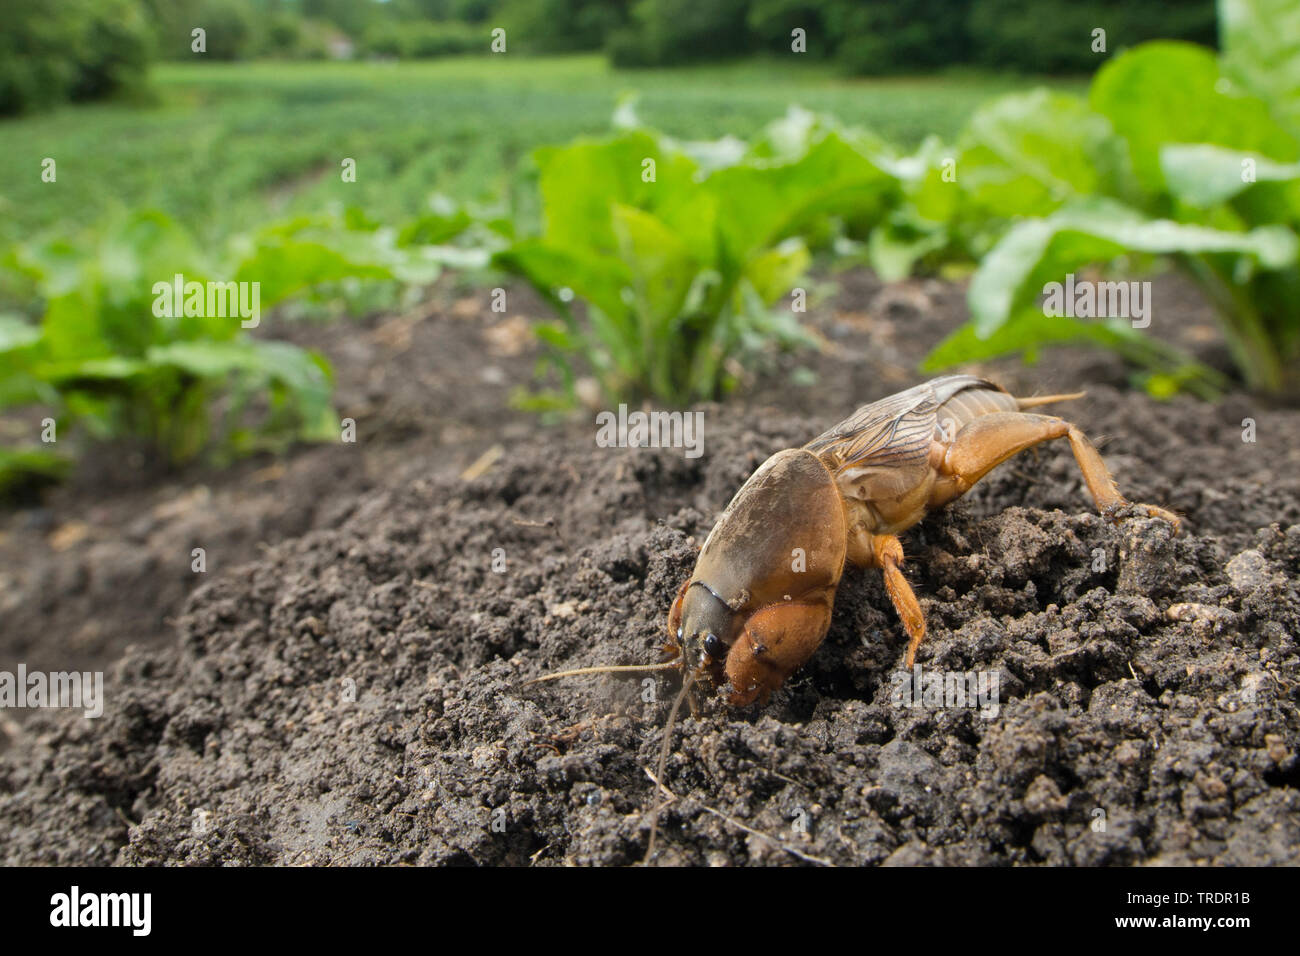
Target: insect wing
878, 451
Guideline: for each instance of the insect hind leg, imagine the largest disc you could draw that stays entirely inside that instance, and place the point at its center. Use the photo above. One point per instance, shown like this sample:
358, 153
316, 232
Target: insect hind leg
990, 440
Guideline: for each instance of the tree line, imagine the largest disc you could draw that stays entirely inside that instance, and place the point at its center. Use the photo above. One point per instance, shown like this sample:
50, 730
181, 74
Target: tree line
58, 50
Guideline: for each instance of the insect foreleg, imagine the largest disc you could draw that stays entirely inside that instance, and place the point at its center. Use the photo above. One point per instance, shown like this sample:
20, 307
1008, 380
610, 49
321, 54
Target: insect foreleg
776, 642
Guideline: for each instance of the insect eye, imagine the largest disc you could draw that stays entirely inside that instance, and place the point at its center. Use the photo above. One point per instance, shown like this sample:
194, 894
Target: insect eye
714, 647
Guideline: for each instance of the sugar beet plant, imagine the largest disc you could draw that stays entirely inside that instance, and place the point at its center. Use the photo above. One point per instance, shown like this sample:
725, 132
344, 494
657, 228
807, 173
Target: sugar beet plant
664, 259
1176, 153
110, 355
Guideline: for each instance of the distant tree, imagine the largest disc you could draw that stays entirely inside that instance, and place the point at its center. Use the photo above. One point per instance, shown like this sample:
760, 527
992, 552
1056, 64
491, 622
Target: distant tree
1048, 36
56, 50
888, 36
882, 36
423, 9
662, 32
350, 16
231, 28
473, 11
771, 22
556, 25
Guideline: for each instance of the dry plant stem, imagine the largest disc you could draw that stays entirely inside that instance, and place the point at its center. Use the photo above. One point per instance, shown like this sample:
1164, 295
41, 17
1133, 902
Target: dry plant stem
732, 821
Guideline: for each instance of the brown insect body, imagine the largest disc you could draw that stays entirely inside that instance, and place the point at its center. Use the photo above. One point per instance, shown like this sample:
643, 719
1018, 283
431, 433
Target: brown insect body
759, 589
758, 603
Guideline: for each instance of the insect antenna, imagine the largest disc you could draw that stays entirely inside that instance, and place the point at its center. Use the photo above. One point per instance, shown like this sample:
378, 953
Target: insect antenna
664, 750
1034, 401
608, 669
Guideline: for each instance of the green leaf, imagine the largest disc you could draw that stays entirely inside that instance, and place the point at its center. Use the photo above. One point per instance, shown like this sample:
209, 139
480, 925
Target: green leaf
1261, 50
16, 333
1029, 331
894, 251
72, 328
660, 266
213, 360
552, 270
286, 266
1027, 153
1026, 333
25, 467
761, 203
774, 273
1169, 92
557, 336
1203, 175
434, 229
108, 369
1041, 250
278, 361
580, 184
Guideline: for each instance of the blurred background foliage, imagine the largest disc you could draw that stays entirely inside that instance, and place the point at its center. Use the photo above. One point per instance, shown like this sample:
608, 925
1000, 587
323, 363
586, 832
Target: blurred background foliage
56, 50
226, 166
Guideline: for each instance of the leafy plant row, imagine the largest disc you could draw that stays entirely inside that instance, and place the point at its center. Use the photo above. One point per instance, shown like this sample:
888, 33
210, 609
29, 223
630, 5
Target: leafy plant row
106, 350
1175, 153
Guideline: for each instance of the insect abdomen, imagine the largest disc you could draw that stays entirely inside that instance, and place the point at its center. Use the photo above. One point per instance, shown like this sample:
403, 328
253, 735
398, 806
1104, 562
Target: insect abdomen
968, 405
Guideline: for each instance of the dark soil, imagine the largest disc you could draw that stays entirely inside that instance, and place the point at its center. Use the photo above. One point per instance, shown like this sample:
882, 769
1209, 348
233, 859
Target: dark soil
342, 687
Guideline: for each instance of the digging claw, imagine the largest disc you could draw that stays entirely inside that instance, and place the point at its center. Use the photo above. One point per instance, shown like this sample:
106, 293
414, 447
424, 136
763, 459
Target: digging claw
1127, 509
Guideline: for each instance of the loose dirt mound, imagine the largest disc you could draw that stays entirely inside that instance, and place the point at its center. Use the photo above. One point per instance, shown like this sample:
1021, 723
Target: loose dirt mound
353, 696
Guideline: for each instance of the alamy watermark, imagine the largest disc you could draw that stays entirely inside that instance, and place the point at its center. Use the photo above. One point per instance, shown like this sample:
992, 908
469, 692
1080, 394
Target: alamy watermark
176, 298
1082, 299
132, 911
940, 689
73, 689
651, 430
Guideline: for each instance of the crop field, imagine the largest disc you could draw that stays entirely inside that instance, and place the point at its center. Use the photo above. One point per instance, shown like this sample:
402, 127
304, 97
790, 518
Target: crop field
225, 146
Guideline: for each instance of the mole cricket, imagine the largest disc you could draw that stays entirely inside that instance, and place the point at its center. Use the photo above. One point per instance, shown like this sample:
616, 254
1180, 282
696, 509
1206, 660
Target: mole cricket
747, 619
749, 616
